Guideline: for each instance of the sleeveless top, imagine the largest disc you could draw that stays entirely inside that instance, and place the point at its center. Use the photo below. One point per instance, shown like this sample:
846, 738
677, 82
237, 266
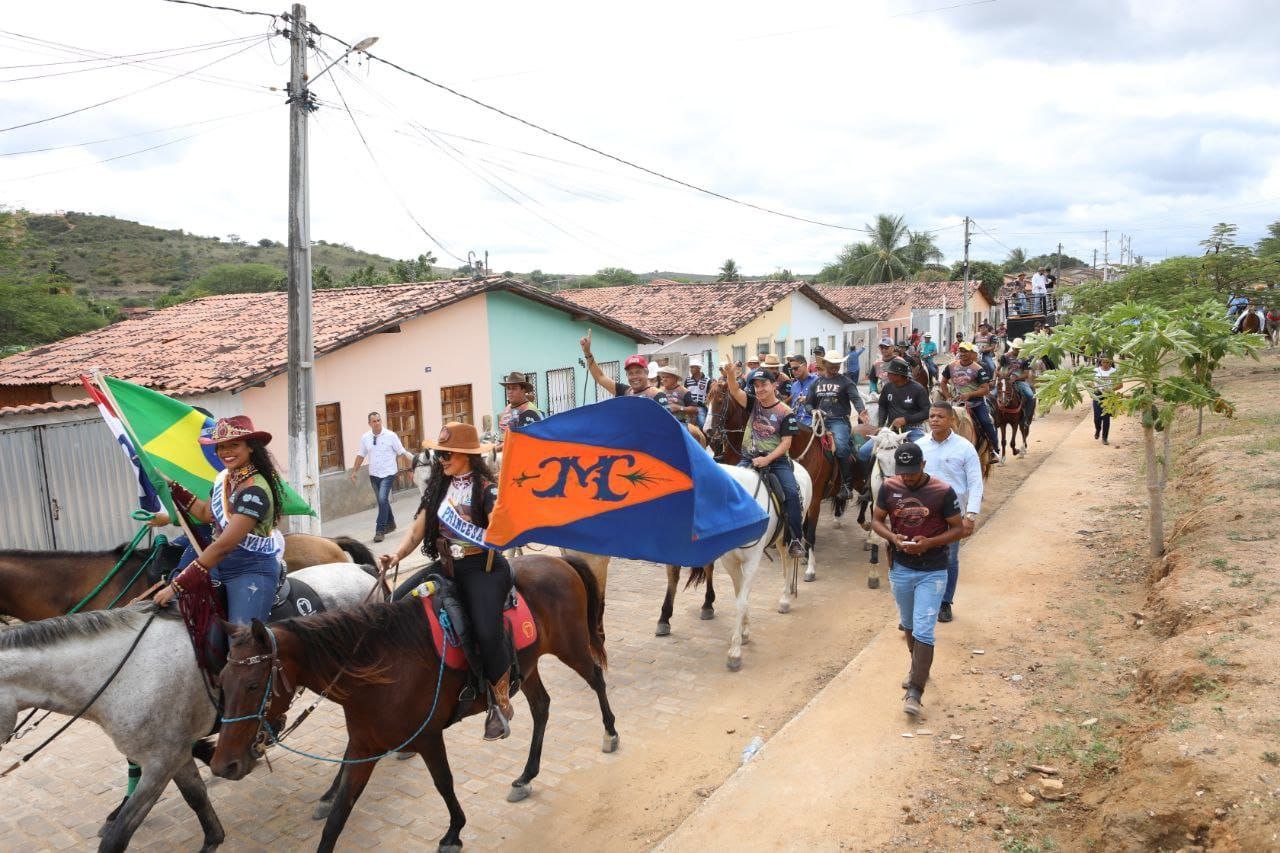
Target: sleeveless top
262, 539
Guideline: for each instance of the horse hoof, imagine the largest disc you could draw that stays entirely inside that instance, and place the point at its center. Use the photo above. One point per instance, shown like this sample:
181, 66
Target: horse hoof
707, 614
734, 664
610, 744
405, 755
866, 546
517, 793
104, 829
322, 810
873, 583
810, 577
450, 848
664, 628
784, 606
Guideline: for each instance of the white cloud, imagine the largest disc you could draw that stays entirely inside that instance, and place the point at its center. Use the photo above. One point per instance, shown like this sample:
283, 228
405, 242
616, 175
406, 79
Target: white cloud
1043, 121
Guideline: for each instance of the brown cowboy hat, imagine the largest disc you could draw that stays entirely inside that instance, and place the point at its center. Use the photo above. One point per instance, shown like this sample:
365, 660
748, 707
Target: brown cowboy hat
235, 428
458, 437
770, 360
515, 378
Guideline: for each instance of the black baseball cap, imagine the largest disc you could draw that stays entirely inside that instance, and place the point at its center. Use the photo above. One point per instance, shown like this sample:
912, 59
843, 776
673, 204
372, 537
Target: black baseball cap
818, 351
908, 459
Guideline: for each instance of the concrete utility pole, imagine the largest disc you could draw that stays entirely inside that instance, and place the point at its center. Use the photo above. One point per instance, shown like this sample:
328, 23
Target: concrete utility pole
964, 321
1095, 259
1057, 270
304, 461
1106, 256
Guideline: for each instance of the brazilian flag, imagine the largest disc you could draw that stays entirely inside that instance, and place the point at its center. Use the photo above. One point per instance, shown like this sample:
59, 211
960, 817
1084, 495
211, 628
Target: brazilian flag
166, 434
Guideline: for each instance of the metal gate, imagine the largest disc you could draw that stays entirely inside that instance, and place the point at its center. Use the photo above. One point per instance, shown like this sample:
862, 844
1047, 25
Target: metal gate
560, 391
66, 486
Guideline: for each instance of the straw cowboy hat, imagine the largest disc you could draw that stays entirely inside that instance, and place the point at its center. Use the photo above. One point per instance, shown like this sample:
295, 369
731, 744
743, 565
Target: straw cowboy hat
831, 359
459, 438
235, 428
515, 378
1016, 343
671, 371
770, 360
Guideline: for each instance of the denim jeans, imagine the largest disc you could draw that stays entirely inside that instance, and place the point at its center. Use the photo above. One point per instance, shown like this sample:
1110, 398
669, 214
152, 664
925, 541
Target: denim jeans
842, 435
980, 413
953, 572
781, 468
250, 581
1101, 420
988, 361
382, 488
864, 452
931, 366
1028, 398
918, 595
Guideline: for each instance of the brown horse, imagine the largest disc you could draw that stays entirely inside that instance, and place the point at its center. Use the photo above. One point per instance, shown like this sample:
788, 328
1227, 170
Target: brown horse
380, 664
1008, 411
40, 584
728, 423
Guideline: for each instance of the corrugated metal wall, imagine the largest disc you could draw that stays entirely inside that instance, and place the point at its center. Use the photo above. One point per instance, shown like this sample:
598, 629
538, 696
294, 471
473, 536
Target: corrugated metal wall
66, 486
24, 505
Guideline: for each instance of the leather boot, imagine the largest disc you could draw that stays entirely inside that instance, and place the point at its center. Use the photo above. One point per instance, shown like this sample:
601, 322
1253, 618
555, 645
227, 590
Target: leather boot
910, 652
921, 662
502, 696
846, 477
495, 725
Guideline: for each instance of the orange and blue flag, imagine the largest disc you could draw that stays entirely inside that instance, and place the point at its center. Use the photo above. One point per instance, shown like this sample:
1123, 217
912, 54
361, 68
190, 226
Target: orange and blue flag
622, 478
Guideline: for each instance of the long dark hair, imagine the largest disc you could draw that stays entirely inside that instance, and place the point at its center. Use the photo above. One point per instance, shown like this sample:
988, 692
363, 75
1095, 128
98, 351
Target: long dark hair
481, 478
261, 460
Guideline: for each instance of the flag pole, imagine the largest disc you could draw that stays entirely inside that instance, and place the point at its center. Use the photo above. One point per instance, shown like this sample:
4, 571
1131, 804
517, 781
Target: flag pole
105, 390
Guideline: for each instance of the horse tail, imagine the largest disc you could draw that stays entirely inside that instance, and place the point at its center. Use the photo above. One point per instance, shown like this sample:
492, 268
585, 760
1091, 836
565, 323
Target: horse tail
359, 553
595, 610
697, 577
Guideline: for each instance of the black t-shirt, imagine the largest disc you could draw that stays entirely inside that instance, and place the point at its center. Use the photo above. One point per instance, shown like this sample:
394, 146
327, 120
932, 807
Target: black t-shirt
680, 397
911, 402
254, 502
621, 389
917, 513
832, 395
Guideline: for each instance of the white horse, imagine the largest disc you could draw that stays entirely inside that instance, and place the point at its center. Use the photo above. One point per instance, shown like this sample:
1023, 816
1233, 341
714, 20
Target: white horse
883, 445
742, 562
157, 705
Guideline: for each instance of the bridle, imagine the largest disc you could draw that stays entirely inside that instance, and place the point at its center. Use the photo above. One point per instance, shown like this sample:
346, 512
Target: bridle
264, 735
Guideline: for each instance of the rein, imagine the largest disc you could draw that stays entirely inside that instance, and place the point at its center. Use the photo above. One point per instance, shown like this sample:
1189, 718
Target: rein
137, 515
62, 728
272, 739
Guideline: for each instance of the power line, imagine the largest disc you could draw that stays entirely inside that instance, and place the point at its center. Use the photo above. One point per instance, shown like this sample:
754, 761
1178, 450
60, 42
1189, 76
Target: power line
144, 53
173, 54
617, 159
135, 91
128, 135
224, 8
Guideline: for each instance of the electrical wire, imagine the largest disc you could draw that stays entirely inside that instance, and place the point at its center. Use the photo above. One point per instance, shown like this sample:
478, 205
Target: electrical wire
129, 135
135, 91
128, 62
144, 53
270, 15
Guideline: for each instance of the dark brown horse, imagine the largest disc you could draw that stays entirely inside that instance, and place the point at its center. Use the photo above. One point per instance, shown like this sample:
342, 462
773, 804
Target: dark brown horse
380, 664
1009, 412
728, 424
40, 584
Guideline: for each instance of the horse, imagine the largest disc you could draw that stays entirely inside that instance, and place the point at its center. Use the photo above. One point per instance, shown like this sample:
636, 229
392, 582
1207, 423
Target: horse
728, 424
742, 562
599, 566
154, 708
1008, 410
380, 663
40, 584
883, 445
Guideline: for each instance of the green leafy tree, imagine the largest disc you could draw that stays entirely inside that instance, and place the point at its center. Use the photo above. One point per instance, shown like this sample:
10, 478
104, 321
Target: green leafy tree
1016, 261
729, 271
321, 277
893, 252
240, 278
1168, 284
985, 273
366, 276
781, 275
1161, 358
1269, 246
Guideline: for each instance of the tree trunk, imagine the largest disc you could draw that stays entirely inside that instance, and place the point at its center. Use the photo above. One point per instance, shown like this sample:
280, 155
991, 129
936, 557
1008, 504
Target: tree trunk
1155, 500
1165, 452
1200, 421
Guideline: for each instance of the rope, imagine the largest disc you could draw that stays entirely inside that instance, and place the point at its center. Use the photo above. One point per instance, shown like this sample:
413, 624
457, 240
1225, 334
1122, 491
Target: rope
112, 677
128, 552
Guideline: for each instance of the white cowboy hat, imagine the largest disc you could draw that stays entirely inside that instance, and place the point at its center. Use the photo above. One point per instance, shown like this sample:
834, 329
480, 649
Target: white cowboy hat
670, 370
653, 370
831, 359
1016, 343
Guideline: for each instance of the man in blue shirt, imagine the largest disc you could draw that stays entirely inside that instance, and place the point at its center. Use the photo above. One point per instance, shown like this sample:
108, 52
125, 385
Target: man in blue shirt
801, 381
853, 363
928, 351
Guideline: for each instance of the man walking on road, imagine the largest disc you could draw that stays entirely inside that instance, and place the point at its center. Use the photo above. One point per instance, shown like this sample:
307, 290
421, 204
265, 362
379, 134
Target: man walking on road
382, 448
954, 461
919, 516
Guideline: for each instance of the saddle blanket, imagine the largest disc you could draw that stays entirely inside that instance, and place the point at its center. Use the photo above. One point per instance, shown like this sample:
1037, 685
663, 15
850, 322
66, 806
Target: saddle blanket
519, 619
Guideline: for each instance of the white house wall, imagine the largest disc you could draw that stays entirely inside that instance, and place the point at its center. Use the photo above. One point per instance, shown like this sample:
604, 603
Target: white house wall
810, 320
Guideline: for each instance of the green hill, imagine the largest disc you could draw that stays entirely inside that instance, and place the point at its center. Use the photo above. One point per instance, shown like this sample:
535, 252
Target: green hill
114, 259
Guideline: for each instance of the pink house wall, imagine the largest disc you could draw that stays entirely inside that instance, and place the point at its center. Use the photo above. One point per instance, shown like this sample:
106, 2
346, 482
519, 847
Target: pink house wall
452, 342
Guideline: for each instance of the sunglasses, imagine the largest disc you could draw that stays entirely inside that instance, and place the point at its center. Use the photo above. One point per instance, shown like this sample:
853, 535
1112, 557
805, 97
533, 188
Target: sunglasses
444, 455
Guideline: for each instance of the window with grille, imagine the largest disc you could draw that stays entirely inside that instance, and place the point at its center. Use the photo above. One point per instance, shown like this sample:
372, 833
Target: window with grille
708, 362
780, 347
831, 342
455, 404
532, 376
560, 391
329, 436
813, 344
613, 370
762, 346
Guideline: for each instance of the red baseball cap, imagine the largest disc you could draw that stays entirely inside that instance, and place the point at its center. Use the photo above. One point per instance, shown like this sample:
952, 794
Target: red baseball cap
636, 361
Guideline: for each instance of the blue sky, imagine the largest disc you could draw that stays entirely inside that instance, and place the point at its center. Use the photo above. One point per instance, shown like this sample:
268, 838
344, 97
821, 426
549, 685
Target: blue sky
1043, 121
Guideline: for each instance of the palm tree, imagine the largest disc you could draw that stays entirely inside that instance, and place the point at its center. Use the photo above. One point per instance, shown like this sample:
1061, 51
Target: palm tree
1017, 260
894, 252
729, 271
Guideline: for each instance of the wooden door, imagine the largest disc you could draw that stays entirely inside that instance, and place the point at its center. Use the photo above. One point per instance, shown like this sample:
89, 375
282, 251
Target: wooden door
455, 404
405, 420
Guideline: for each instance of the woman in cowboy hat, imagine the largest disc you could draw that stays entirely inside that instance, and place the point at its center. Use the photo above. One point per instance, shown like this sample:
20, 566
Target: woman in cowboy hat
463, 483
243, 507
520, 412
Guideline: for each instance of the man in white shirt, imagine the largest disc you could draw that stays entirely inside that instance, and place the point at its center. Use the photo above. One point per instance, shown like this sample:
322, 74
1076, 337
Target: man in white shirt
952, 459
383, 449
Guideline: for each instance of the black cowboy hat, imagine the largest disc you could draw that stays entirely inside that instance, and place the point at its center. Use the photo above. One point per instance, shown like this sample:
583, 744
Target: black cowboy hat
514, 378
898, 367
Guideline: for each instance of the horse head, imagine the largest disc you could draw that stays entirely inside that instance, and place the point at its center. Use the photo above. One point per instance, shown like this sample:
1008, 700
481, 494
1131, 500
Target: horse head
883, 445
725, 419
256, 693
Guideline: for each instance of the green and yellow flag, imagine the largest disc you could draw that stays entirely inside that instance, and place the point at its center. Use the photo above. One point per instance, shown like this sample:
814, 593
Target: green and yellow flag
166, 435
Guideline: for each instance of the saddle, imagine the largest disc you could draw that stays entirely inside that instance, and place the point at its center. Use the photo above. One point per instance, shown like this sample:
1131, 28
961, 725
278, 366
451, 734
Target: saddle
450, 628
165, 563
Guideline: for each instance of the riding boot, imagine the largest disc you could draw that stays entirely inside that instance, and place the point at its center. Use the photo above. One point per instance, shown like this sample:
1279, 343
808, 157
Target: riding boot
502, 695
921, 663
911, 650
846, 478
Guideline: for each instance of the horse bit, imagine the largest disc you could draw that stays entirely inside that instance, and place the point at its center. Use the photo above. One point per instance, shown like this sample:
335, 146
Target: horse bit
264, 736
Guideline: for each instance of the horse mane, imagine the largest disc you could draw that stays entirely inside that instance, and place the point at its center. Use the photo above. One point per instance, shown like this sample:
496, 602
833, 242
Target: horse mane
363, 642
25, 554
58, 629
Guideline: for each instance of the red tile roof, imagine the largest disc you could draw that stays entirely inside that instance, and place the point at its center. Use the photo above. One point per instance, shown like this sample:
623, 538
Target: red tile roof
39, 408
867, 301
223, 343
667, 308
